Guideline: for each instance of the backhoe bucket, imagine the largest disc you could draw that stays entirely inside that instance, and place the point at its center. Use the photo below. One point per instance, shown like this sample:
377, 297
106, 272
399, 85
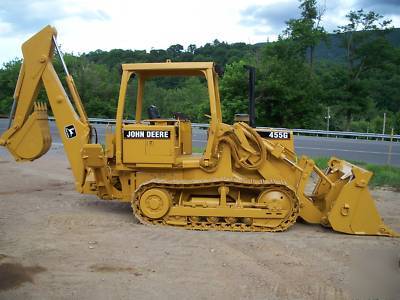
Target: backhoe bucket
348, 205
33, 139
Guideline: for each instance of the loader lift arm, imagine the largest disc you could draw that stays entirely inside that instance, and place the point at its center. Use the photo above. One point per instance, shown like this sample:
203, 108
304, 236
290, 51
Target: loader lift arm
28, 136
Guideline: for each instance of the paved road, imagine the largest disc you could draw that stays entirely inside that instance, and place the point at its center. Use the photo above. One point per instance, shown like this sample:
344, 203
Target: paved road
360, 150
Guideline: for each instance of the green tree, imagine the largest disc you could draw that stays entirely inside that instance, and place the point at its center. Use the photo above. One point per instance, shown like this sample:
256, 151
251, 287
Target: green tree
8, 79
233, 91
286, 94
307, 31
367, 52
190, 98
174, 51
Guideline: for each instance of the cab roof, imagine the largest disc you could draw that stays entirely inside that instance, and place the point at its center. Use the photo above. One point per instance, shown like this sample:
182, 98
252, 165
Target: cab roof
169, 68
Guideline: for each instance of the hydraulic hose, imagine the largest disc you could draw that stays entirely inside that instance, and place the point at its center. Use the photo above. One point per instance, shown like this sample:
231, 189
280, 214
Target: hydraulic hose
234, 143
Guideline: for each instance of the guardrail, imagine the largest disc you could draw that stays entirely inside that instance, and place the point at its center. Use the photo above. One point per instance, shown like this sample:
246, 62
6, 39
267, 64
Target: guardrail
315, 132
355, 135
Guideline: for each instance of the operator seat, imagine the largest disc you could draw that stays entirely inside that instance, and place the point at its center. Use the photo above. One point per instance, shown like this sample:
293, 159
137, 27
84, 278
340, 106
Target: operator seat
152, 112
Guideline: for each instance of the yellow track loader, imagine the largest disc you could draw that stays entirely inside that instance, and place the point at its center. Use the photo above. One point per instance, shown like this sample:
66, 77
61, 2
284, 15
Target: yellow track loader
241, 182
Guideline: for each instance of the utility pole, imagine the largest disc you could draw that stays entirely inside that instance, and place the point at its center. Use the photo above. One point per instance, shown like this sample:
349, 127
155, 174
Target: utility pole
384, 124
389, 158
328, 117
252, 104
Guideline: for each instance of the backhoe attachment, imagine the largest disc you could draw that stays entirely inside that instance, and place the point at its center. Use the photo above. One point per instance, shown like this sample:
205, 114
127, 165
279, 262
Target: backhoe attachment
28, 136
33, 139
345, 201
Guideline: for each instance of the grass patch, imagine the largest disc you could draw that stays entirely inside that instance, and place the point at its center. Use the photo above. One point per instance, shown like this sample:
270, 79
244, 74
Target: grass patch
383, 175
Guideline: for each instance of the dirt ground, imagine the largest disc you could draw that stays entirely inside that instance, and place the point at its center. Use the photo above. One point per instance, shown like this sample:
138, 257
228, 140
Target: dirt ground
58, 244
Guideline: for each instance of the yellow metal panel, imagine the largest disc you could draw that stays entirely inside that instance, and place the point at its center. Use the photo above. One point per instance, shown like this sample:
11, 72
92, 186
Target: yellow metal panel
172, 66
66, 116
110, 145
145, 146
224, 212
185, 137
139, 100
120, 117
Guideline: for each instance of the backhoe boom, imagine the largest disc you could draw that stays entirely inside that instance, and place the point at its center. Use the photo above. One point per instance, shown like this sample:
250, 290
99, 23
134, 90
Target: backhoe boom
29, 137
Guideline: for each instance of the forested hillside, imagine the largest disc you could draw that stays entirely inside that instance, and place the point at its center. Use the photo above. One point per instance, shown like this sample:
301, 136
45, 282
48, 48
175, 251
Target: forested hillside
332, 49
355, 72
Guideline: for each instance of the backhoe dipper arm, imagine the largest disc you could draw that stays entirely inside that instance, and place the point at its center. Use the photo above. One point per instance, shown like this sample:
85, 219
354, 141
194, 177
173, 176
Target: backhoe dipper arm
28, 137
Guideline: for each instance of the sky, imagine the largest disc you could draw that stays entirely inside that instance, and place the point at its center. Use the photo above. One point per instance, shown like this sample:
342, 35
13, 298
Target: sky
88, 25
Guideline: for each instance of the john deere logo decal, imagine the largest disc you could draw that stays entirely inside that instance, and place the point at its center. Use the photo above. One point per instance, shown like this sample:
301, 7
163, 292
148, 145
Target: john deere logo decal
70, 131
147, 134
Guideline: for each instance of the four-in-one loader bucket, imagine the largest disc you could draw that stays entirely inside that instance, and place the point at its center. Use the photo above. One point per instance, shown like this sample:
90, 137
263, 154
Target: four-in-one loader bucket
346, 202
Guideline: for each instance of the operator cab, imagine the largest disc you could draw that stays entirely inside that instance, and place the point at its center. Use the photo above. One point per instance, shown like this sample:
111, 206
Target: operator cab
157, 141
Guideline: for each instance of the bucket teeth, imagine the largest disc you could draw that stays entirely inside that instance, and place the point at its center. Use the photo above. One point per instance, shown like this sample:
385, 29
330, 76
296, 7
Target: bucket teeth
40, 106
40, 110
